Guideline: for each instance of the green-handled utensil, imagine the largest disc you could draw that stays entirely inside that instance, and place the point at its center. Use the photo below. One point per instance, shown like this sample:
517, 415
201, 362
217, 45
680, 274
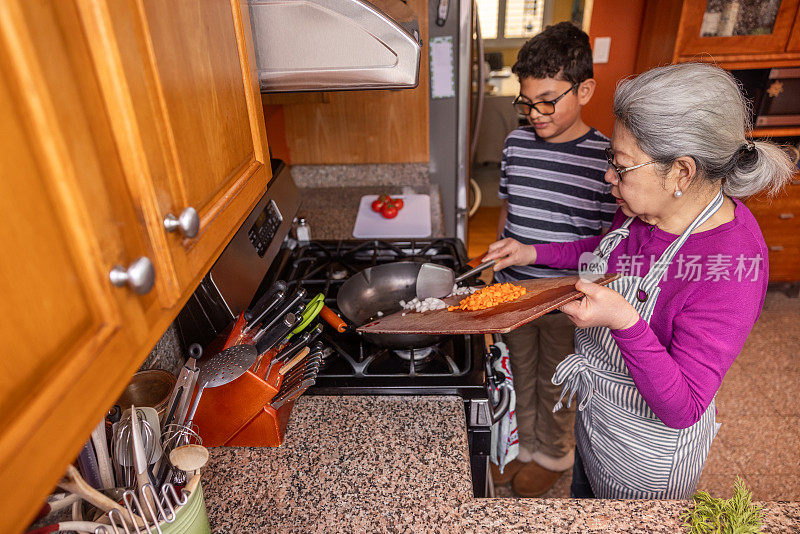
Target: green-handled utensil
309, 314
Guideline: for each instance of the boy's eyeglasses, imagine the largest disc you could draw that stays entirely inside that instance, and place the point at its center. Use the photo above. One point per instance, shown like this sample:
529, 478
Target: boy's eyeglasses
621, 170
543, 107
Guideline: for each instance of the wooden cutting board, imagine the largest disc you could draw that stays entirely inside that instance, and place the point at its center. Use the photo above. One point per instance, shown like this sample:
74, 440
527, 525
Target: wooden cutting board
544, 295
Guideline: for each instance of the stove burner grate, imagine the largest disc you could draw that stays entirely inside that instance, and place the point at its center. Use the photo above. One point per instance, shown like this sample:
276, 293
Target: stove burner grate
323, 266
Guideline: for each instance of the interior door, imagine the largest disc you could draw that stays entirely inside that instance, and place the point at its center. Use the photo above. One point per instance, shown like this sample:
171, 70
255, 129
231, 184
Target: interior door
190, 117
69, 336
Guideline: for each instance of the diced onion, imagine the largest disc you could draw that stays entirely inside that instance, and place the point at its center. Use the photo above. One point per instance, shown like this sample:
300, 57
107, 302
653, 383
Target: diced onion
431, 303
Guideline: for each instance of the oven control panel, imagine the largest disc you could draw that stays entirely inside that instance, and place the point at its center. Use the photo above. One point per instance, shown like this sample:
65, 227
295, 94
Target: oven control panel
263, 230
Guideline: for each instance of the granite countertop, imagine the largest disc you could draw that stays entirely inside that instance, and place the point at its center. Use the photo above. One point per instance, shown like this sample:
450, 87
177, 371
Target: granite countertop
348, 464
331, 193
400, 464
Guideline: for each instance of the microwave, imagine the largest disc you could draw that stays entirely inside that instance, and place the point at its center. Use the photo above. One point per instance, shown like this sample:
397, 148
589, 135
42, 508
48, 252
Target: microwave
775, 94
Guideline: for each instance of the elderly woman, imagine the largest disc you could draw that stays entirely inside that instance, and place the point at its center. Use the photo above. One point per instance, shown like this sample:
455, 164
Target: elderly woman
653, 346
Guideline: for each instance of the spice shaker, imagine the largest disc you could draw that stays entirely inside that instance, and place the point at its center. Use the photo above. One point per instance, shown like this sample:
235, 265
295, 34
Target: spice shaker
302, 230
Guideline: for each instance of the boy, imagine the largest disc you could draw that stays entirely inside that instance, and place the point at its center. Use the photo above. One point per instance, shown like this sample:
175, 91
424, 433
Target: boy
553, 190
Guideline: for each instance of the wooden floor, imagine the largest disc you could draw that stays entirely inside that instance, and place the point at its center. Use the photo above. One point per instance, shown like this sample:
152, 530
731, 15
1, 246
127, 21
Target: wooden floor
482, 230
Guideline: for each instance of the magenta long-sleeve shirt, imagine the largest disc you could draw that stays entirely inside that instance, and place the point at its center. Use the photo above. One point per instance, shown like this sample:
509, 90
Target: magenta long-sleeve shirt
710, 299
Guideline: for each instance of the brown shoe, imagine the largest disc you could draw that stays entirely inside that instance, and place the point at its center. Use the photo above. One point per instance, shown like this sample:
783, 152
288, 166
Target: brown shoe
511, 469
533, 480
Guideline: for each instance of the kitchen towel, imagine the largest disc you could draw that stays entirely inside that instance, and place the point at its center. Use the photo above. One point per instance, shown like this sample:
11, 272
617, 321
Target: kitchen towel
505, 440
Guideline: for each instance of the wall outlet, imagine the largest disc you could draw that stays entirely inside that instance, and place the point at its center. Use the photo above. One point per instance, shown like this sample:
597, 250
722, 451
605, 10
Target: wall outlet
602, 49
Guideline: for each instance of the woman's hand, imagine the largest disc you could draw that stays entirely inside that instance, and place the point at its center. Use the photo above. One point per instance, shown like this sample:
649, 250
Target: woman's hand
510, 252
600, 307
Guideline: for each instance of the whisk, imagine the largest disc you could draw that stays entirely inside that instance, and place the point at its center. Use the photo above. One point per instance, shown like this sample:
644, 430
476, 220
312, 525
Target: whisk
122, 451
172, 437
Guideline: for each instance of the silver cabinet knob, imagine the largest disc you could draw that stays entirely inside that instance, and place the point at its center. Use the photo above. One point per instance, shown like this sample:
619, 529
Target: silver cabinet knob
139, 276
188, 222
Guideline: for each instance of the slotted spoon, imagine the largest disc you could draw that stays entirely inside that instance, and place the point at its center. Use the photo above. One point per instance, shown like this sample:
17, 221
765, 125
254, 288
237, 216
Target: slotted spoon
221, 369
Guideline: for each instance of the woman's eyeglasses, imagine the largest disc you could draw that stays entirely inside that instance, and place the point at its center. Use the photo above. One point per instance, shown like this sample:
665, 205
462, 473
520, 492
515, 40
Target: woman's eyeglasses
621, 170
543, 107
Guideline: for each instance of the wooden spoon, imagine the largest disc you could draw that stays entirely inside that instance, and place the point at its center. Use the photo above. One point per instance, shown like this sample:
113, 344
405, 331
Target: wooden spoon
73, 482
192, 484
189, 458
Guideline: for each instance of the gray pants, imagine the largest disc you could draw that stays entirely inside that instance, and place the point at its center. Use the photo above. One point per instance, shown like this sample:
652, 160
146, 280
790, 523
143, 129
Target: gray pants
535, 350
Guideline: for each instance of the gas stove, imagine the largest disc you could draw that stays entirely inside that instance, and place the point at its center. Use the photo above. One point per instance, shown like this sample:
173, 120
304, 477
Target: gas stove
261, 253
453, 366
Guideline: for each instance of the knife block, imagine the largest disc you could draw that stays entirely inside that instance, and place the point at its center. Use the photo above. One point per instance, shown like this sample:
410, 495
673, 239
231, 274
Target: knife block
238, 413
266, 429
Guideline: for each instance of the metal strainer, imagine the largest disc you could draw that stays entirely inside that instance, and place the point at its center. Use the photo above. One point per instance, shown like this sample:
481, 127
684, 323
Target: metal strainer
222, 368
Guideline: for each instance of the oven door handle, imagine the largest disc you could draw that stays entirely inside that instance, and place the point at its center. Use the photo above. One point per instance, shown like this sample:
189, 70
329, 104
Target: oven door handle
494, 384
497, 412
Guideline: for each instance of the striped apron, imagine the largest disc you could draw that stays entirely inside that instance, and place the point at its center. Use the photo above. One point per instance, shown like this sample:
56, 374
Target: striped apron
628, 453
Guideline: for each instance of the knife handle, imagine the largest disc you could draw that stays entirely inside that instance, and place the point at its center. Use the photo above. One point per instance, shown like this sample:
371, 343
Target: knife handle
294, 361
258, 310
256, 319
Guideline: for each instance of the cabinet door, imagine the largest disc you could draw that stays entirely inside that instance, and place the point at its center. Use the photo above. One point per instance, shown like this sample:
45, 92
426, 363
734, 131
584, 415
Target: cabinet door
188, 116
736, 27
794, 38
779, 220
70, 339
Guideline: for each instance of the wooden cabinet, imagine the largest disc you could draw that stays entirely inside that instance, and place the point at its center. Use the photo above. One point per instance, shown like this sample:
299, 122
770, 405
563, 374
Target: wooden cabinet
674, 31
677, 31
115, 114
779, 220
188, 119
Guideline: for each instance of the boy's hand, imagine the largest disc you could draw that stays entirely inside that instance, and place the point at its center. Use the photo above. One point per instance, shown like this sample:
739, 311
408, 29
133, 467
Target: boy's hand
509, 252
600, 307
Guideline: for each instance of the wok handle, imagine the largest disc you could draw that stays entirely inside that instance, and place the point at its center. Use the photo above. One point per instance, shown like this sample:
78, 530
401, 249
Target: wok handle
332, 319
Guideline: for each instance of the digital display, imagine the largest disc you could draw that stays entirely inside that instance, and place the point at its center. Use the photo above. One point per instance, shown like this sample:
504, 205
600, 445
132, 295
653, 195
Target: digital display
263, 230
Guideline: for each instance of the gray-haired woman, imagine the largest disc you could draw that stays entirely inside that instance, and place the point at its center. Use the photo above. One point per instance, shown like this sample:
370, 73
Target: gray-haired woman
652, 347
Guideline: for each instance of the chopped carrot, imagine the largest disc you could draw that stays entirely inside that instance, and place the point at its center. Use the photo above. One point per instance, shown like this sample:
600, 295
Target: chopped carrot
490, 296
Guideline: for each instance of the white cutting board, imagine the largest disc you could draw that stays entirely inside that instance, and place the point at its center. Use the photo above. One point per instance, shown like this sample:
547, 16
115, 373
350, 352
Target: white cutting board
414, 220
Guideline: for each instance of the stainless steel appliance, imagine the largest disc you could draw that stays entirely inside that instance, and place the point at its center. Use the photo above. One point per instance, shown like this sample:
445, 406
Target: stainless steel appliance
451, 118
330, 45
454, 365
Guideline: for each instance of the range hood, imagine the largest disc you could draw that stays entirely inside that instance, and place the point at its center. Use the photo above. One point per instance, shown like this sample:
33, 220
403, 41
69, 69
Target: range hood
333, 45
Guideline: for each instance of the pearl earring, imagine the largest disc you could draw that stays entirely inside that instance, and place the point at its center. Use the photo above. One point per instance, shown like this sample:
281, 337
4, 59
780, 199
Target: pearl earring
678, 193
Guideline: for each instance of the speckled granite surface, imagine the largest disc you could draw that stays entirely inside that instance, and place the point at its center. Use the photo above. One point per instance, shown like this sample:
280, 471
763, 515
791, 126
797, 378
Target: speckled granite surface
348, 464
589, 515
331, 211
371, 174
167, 354
399, 464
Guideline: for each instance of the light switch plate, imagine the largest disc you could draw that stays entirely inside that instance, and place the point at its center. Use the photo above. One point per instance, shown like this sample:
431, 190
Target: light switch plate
602, 49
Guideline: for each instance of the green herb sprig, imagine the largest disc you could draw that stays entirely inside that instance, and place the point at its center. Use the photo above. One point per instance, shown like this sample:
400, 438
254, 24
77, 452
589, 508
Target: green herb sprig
737, 515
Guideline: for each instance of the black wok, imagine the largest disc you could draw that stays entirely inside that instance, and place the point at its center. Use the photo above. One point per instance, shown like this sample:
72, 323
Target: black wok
380, 289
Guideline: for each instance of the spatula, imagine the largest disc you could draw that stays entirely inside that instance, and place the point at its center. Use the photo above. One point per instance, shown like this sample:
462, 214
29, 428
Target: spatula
437, 281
